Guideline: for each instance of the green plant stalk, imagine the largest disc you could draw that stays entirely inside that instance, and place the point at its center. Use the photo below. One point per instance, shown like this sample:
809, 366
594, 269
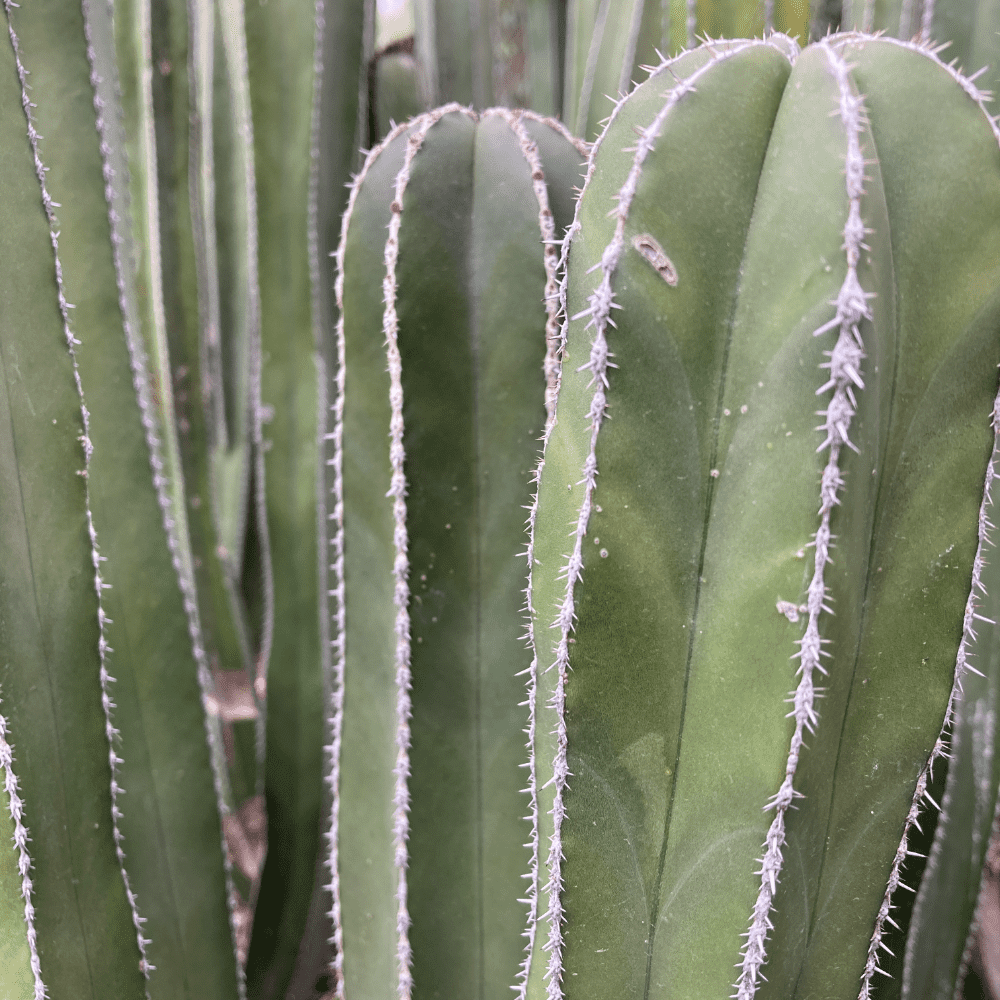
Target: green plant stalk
165, 840
427, 726
715, 363
286, 59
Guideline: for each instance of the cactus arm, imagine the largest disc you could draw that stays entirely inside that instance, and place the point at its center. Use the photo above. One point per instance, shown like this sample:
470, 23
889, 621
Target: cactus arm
452, 39
542, 55
162, 163
396, 94
586, 21
48, 610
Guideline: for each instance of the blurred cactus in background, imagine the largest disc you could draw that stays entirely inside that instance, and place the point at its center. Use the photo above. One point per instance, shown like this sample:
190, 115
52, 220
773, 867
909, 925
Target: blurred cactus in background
274, 410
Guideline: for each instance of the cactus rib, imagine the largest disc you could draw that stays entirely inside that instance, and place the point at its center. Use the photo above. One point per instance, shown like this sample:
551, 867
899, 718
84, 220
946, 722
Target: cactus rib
339, 643
600, 305
103, 647
844, 365
553, 344
962, 664
397, 490
21, 838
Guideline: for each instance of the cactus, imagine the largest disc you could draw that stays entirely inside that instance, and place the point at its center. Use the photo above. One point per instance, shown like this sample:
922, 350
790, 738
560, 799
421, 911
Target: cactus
431, 461
725, 280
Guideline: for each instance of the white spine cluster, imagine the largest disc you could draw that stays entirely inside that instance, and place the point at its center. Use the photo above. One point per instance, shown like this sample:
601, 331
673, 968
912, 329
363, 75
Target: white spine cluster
845, 377
971, 615
338, 591
21, 838
599, 309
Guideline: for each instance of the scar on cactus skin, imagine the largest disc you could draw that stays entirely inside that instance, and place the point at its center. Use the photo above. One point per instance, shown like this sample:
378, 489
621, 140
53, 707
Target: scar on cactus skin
653, 252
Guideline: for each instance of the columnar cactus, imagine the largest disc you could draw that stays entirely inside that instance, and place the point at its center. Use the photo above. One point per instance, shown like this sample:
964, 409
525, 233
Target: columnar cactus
790, 232
447, 285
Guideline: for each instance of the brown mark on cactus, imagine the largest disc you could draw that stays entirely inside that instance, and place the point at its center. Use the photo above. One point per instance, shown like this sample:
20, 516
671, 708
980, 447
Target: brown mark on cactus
653, 252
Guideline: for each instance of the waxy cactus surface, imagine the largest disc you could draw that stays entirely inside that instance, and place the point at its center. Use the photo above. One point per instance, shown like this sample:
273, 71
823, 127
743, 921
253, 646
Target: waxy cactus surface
747, 649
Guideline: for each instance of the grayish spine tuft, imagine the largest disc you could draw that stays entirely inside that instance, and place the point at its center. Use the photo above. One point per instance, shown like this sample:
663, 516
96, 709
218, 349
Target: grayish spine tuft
16, 806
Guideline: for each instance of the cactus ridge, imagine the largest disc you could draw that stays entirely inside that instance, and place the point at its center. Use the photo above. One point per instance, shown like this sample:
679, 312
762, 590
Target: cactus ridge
401, 567
16, 806
338, 591
845, 366
103, 647
962, 664
553, 341
107, 103
600, 305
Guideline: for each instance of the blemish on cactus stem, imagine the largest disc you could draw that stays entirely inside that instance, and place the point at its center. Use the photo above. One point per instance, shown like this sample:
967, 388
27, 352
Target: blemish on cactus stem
653, 252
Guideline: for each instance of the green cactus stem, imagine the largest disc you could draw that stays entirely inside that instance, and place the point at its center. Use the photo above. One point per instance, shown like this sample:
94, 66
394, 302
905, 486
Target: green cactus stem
102, 655
447, 337
817, 220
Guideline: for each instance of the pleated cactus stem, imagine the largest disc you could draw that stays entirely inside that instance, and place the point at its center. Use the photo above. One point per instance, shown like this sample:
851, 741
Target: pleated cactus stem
792, 232
448, 343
